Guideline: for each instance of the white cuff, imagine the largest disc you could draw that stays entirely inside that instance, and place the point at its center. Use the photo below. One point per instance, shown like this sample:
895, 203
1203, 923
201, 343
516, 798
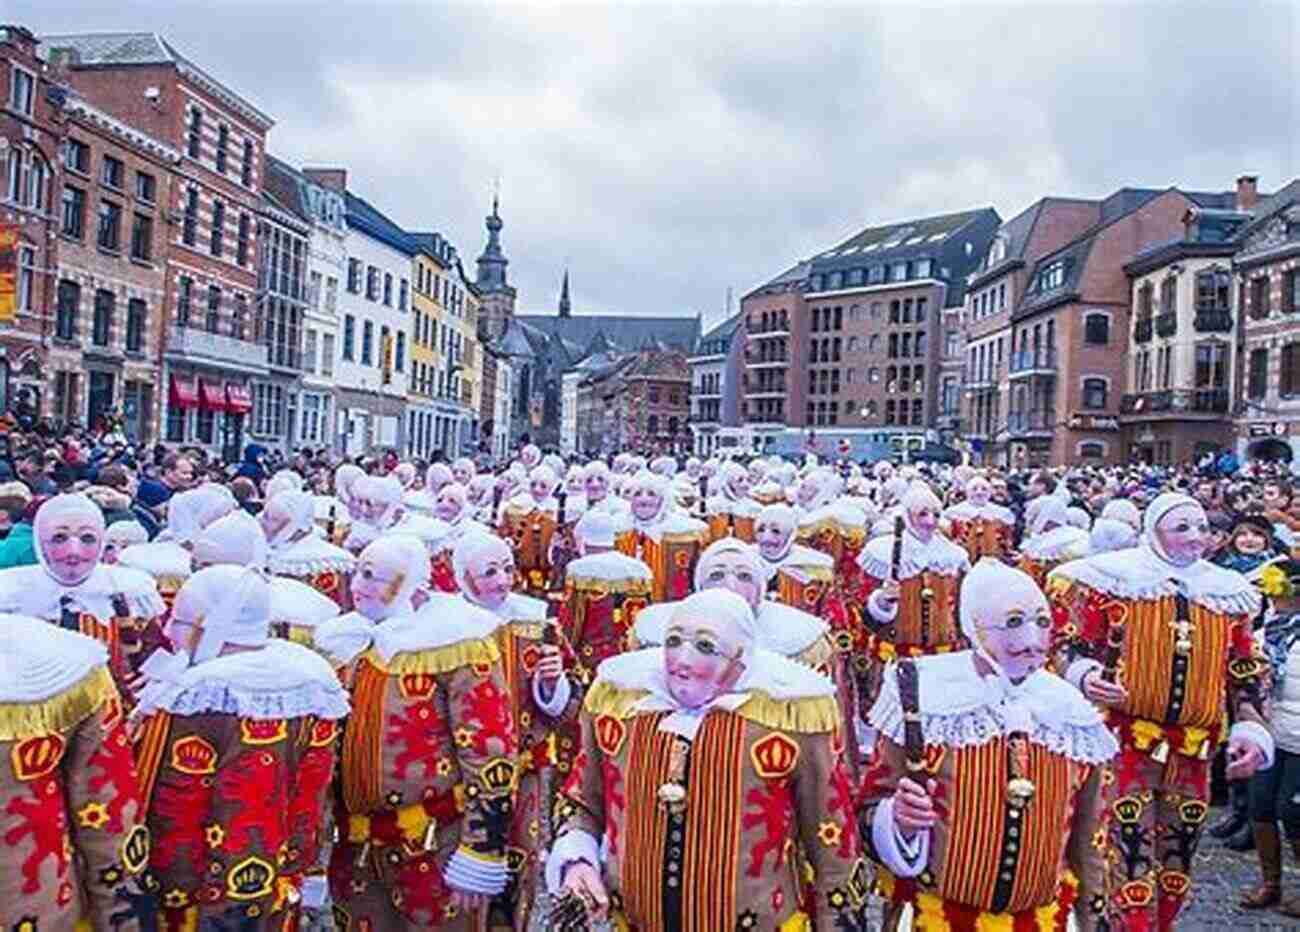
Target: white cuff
878, 612
1257, 735
471, 873
573, 845
1076, 671
903, 858
559, 695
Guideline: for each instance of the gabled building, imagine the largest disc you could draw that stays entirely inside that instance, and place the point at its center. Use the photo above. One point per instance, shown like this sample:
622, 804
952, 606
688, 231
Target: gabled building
214, 337
1267, 267
323, 210
715, 384
843, 346
978, 372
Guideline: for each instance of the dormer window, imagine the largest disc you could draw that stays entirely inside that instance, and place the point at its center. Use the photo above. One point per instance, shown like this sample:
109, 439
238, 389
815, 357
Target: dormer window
1052, 276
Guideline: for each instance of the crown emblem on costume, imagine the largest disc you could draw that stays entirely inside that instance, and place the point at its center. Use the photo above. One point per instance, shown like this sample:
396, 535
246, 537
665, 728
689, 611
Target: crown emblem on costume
1127, 809
609, 734
774, 756
270, 731
416, 685
250, 879
498, 774
193, 755
37, 756
323, 732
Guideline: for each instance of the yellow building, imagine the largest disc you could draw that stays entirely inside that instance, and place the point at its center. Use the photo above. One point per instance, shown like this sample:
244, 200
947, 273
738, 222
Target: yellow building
442, 411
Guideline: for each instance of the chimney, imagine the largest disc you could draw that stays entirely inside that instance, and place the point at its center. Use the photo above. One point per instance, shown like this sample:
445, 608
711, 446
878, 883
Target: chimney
336, 179
1247, 193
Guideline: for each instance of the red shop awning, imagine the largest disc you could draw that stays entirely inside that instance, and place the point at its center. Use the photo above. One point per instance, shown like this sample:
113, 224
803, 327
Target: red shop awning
238, 399
211, 397
184, 393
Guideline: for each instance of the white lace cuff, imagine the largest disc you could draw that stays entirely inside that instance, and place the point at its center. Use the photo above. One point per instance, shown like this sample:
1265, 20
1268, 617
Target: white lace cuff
904, 858
875, 605
573, 845
1075, 673
1257, 735
471, 872
559, 695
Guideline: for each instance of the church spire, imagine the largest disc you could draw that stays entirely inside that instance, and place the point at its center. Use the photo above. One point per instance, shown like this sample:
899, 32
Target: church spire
564, 296
492, 263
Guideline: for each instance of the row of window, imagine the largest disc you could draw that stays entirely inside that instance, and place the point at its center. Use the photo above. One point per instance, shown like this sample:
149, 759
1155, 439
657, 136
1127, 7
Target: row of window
1210, 370
989, 301
652, 422
900, 270
187, 313
443, 290
1288, 380
103, 319
217, 237
392, 353
1261, 294
378, 284
194, 147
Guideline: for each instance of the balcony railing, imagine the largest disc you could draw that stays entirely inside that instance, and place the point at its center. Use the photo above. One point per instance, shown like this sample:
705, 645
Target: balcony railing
1166, 325
1038, 361
1212, 322
1175, 402
1142, 330
196, 343
1030, 422
758, 360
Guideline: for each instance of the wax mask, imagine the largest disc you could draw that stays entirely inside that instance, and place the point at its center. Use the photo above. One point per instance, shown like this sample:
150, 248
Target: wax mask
71, 545
978, 492
274, 518
370, 510
773, 539
694, 470
646, 503
462, 471
731, 571
530, 456
924, 519
540, 490
755, 474
1015, 633
490, 578
738, 486
700, 663
374, 586
807, 492
575, 485
447, 506
1183, 534
597, 488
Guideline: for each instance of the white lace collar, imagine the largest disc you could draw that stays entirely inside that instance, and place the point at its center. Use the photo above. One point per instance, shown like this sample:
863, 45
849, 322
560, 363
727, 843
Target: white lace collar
1060, 543
443, 620
960, 708
989, 511
296, 603
279, 680
668, 522
937, 555
344, 638
799, 557
1140, 573
29, 590
158, 558
309, 556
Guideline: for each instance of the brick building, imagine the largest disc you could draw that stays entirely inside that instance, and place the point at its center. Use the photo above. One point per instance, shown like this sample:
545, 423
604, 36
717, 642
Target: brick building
29, 192
844, 345
982, 385
641, 402
1267, 267
105, 346
214, 336
1182, 358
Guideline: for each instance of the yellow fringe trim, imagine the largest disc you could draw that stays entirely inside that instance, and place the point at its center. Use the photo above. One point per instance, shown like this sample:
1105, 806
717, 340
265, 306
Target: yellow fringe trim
527, 630
604, 698
19, 720
439, 659
597, 586
814, 715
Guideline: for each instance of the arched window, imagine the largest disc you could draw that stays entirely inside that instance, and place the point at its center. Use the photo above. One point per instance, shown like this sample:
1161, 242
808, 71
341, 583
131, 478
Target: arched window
1094, 393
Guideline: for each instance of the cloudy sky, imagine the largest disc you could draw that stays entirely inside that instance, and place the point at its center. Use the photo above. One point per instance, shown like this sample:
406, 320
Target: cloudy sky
667, 153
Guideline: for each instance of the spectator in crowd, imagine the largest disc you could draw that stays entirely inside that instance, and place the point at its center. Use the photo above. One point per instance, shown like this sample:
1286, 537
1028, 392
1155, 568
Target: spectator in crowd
177, 476
245, 493
31, 470
18, 507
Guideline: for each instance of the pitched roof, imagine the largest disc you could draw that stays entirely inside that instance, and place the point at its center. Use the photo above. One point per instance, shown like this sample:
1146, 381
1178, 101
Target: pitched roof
903, 238
366, 218
724, 329
620, 331
116, 49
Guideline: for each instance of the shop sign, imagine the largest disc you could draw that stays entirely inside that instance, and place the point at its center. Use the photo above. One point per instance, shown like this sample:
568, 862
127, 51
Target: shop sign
1093, 422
